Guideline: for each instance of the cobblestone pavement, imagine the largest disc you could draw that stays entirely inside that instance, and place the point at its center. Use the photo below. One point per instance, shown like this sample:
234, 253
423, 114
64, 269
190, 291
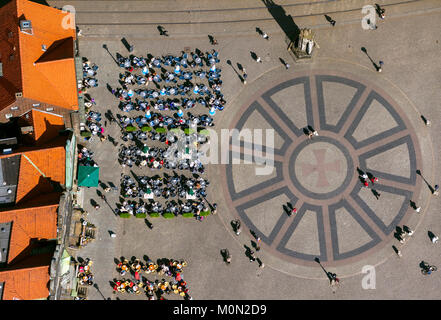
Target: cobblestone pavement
365, 119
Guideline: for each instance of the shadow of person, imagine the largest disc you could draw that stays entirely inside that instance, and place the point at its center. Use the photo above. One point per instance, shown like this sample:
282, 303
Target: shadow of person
233, 225
412, 204
361, 179
330, 20
93, 202
431, 235
360, 172
306, 131
253, 55
224, 254
285, 21
148, 223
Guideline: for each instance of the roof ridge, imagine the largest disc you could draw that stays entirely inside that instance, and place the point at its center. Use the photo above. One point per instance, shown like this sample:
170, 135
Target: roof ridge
30, 208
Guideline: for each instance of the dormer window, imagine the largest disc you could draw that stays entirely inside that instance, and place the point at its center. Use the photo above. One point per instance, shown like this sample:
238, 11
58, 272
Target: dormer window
26, 26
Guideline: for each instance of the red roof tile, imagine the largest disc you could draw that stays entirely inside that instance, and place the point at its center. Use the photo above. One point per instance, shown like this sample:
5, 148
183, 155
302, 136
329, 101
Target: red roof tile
47, 76
29, 223
25, 284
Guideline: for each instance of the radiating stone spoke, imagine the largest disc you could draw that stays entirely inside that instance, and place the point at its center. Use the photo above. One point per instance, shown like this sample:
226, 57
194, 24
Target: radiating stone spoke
383, 140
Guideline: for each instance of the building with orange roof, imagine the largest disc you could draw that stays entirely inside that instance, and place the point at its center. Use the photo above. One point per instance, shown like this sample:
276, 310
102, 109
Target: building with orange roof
26, 228
38, 89
37, 65
29, 283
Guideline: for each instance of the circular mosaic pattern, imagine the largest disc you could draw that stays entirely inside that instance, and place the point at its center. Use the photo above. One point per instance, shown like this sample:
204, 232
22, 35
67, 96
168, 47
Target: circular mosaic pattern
338, 219
321, 168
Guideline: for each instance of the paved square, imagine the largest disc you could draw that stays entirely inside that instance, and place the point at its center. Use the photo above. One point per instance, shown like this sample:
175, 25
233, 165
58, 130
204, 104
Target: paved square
366, 122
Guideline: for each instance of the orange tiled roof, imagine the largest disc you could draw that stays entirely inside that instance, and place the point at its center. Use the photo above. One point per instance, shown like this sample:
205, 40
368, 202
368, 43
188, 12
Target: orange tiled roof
10, 83
25, 284
46, 125
29, 223
31, 183
45, 76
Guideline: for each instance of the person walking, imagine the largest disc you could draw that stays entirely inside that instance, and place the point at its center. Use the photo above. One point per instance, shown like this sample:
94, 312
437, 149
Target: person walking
227, 256
408, 231
237, 227
374, 179
293, 211
252, 256
417, 209
258, 240
380, 11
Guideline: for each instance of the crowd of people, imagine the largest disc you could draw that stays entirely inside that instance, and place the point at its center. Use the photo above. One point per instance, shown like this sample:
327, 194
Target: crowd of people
166, 186
85, 157
157, 120
177, 79
89, 73
85, 276
193, 207
93, 118
154, 289
178, 82
159, 158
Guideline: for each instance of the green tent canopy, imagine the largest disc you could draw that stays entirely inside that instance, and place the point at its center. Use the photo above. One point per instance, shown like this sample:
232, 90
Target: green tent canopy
64, 263
88, 176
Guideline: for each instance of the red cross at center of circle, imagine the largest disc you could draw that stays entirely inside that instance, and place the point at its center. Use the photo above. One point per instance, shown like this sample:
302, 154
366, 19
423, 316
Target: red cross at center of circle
321, 167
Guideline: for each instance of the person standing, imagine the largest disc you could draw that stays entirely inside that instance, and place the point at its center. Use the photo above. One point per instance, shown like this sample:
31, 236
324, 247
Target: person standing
436, 190
244, 76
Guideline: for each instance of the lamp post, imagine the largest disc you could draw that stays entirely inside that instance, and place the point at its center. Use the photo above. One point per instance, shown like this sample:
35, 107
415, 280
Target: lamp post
95, 285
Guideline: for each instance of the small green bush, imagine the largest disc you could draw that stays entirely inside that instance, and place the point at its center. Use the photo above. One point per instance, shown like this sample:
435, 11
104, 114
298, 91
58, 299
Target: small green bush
161, 130
189, 130
154, 214
125, 215
146, 129
141, 215
204, 132
168, 215
188, 215
205, 213
85, 133
130, 129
